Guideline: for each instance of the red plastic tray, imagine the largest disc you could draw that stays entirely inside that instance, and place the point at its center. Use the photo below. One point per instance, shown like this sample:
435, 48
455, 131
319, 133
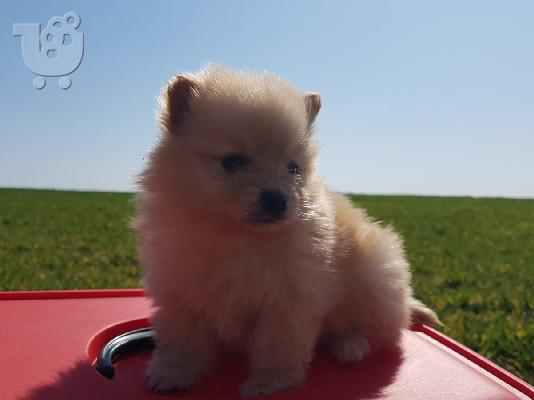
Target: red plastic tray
48, 341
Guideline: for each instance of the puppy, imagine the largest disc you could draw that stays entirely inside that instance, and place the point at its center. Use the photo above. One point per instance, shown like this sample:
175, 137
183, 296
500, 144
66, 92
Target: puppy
243, 246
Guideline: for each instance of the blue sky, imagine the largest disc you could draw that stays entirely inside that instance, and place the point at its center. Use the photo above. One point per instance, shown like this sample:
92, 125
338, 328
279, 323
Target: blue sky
419, 97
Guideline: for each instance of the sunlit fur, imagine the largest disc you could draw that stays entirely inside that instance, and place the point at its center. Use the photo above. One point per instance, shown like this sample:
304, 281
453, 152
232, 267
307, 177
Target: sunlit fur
219, 278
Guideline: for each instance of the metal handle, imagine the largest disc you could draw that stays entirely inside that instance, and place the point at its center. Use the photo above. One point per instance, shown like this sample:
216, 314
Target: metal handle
137, 340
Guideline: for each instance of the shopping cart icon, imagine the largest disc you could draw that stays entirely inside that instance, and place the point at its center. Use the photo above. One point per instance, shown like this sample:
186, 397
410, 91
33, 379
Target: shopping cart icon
56, 51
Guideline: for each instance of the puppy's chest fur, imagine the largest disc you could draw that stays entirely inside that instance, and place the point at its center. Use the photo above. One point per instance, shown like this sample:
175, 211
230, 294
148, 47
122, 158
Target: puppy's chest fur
230, 285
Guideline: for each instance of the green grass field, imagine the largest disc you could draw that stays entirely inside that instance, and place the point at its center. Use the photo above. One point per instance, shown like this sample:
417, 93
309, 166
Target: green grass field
473, 259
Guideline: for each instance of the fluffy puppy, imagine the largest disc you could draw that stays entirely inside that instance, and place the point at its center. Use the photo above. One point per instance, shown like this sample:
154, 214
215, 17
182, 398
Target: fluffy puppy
243, 246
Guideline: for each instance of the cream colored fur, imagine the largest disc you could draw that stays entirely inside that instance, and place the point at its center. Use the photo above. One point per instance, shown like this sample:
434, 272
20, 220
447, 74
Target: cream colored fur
273, 291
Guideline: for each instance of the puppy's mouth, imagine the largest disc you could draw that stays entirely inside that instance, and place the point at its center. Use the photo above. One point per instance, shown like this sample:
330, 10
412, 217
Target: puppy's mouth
269, 220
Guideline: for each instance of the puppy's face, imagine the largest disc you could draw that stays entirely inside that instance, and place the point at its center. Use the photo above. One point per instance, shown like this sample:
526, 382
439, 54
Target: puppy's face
238, 147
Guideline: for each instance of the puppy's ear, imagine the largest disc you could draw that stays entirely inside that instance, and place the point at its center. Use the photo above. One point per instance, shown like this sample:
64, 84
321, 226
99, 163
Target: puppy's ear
313, 105
176, 101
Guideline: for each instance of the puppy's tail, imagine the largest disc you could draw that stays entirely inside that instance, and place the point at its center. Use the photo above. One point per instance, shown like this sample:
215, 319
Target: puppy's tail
421, 314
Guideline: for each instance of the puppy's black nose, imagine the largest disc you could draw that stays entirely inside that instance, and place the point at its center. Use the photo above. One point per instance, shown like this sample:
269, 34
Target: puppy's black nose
273, 204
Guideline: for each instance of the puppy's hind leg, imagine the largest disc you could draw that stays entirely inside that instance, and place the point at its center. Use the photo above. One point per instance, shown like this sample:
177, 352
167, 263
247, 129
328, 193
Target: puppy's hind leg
349, 348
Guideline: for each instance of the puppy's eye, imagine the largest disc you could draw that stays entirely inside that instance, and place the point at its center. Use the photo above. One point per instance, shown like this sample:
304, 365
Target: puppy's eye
235, 162
293, 168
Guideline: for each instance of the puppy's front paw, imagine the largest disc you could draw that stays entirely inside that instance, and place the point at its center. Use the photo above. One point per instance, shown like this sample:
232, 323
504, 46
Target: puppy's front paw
165, 376
270, 381
350, 348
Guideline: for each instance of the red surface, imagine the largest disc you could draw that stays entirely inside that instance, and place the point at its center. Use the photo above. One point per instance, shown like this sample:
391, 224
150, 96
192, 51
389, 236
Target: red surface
48, 340
70, 294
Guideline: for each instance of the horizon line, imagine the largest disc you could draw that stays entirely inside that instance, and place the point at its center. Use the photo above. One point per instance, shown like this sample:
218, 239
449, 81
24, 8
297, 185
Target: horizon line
384, 194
